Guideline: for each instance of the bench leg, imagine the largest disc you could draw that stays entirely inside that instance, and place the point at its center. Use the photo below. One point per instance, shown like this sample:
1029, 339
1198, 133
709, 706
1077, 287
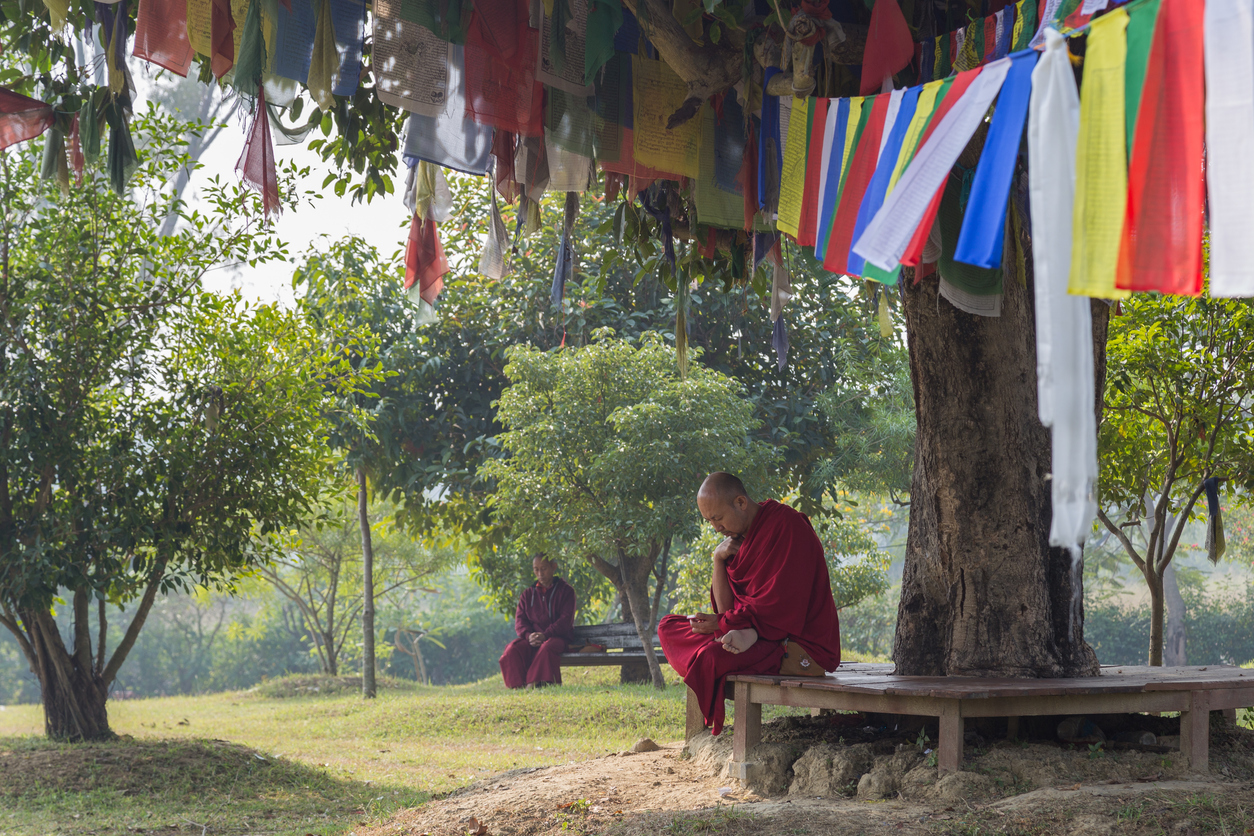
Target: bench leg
748, 729
1195, 732
1012, 728
1230, 716
694, 722
949, 748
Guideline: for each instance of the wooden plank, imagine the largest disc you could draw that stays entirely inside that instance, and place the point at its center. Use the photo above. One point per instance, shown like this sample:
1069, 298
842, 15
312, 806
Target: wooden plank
748, 729
1038, 705
1225, 699
621, 629
1195, 732
949, 747
694, 721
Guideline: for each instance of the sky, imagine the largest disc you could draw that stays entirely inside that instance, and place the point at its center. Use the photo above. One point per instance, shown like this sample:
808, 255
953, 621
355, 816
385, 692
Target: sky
383, 222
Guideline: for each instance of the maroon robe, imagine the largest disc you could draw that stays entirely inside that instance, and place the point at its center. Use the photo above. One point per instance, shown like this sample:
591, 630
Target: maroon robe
551, 612
780, 588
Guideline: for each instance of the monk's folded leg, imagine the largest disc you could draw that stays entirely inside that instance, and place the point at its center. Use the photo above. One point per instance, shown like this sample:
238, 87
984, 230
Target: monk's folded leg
679, 643
546, 667
515, 661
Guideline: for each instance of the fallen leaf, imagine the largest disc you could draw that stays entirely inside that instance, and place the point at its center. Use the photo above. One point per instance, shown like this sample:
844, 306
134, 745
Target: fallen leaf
476, 828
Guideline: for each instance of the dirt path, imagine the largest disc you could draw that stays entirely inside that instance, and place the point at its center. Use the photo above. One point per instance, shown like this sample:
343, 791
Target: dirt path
656, 792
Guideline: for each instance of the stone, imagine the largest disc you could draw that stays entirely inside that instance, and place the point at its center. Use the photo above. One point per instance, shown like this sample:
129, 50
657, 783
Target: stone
645, 744
830, 769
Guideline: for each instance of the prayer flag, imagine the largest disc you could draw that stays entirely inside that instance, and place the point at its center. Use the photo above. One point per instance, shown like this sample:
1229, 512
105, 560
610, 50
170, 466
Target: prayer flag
1162, 246
501, 63
161, 35
901, 111
1229, 156
889, 46
22, 118
816, 112
829, 172
657, 93
792, 177
861, 168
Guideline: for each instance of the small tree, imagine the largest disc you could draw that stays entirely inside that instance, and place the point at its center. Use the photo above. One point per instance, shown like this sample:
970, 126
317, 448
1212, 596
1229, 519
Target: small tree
146, 427
318, 567
1179, 409
607, 447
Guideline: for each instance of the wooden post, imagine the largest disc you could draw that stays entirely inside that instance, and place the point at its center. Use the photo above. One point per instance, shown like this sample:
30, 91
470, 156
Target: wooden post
1195, 732
694, 722
949, 754
748, 731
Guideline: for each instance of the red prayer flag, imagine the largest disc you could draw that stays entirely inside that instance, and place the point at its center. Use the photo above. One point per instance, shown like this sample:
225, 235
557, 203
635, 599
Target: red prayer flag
22, 118
425, 264
990, 39
914, 252
256, 163
221, 38
889, 46
861, 168
747, 178
161, 35
502, 52
807, 229
76, 150
1162, 245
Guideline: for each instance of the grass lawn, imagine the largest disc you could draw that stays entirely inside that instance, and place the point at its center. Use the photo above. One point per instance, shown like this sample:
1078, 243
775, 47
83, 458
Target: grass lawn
331, 759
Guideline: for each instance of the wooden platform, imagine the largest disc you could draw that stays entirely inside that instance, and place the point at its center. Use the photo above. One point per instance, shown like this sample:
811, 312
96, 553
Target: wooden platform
1192, 691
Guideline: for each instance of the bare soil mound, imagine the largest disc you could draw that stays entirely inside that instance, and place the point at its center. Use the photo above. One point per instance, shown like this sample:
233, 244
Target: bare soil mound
819, 776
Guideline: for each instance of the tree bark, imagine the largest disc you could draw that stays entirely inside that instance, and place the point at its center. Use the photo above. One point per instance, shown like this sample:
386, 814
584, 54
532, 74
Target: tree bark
367, 611
73, 695
1155, 584
983, 594
1174, 643
631, 578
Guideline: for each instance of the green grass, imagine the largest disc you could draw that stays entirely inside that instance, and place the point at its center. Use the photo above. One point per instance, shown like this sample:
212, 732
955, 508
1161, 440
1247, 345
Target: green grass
331, 759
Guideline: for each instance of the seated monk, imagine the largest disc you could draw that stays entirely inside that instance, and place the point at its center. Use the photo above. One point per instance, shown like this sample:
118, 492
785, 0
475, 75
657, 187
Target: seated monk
544, 620
769, 585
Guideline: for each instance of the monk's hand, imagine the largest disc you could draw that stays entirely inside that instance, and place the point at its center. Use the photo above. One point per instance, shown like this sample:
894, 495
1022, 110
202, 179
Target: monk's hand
727, 549
535, 639
738, 641
703, 623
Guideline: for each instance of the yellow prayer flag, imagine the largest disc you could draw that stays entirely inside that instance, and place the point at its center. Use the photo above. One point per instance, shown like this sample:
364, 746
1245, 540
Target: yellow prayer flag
792, 181
1017, 32
58, 11
658, 92
851, 131
326, 59
1101, 177
199, 25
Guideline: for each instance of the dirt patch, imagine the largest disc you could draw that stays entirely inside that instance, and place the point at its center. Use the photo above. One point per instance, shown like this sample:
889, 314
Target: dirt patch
856, 780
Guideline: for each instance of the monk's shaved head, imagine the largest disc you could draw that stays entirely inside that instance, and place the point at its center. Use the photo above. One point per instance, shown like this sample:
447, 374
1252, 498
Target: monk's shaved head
725, 504
724, 486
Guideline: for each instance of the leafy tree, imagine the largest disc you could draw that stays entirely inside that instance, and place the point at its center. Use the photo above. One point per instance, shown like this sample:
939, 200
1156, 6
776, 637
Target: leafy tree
607, 445
147, 427
1179, 409
317, 567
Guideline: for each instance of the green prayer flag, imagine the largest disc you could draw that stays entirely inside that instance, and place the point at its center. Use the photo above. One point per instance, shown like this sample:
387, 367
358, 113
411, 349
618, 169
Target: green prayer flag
605, 17
1142, 18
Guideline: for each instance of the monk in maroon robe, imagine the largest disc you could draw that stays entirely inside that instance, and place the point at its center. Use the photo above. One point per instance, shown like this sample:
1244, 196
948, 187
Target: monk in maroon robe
544, 621
769, 584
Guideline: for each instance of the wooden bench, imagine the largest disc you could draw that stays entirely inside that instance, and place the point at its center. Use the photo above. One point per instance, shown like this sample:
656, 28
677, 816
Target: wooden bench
622, 647
1192, 691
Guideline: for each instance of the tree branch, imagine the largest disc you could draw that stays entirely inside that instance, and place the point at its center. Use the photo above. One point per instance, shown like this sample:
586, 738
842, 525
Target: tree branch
1123, 538
100, 638
132, 630
82, 630
10, 621
1170, 552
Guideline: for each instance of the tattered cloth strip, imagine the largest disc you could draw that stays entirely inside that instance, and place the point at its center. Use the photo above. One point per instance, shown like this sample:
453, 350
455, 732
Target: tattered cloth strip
1216, 542
568, 171
22, 118
495, 245
54, 166
425, 264
89, 127
427, 193
256, 164
501, 63
781, 292
564, 269
1101, 173
982, 226
504, 148
448, 20
616, 119
604, 19
1229, 154
976, 290
715, 206
657, 93
122, 159
451, 139
889, 46
76, 149
1064, 339
1162, 245
770, 148
161, 35
349, 19
1025, 25
250, 62
222, 35
113, 23
58, 12
531, 167
324, 59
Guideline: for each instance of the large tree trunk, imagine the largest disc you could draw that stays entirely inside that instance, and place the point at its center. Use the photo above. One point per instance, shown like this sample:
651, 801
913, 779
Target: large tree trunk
983, 594
73, 693
1155, 583
367, 610
631, 578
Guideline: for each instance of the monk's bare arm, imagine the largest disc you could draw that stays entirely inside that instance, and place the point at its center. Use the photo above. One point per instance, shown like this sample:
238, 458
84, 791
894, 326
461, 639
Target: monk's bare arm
719, 585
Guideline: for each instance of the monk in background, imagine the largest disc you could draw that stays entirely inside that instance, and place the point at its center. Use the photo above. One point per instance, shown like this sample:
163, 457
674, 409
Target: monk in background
544, 621
768, 585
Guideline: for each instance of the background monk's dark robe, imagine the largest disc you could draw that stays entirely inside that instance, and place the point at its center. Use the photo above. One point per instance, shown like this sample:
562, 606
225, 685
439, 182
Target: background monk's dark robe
551, 612
780, 588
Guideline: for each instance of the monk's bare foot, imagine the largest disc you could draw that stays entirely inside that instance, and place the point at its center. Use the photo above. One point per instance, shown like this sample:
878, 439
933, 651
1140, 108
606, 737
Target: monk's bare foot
738, 641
